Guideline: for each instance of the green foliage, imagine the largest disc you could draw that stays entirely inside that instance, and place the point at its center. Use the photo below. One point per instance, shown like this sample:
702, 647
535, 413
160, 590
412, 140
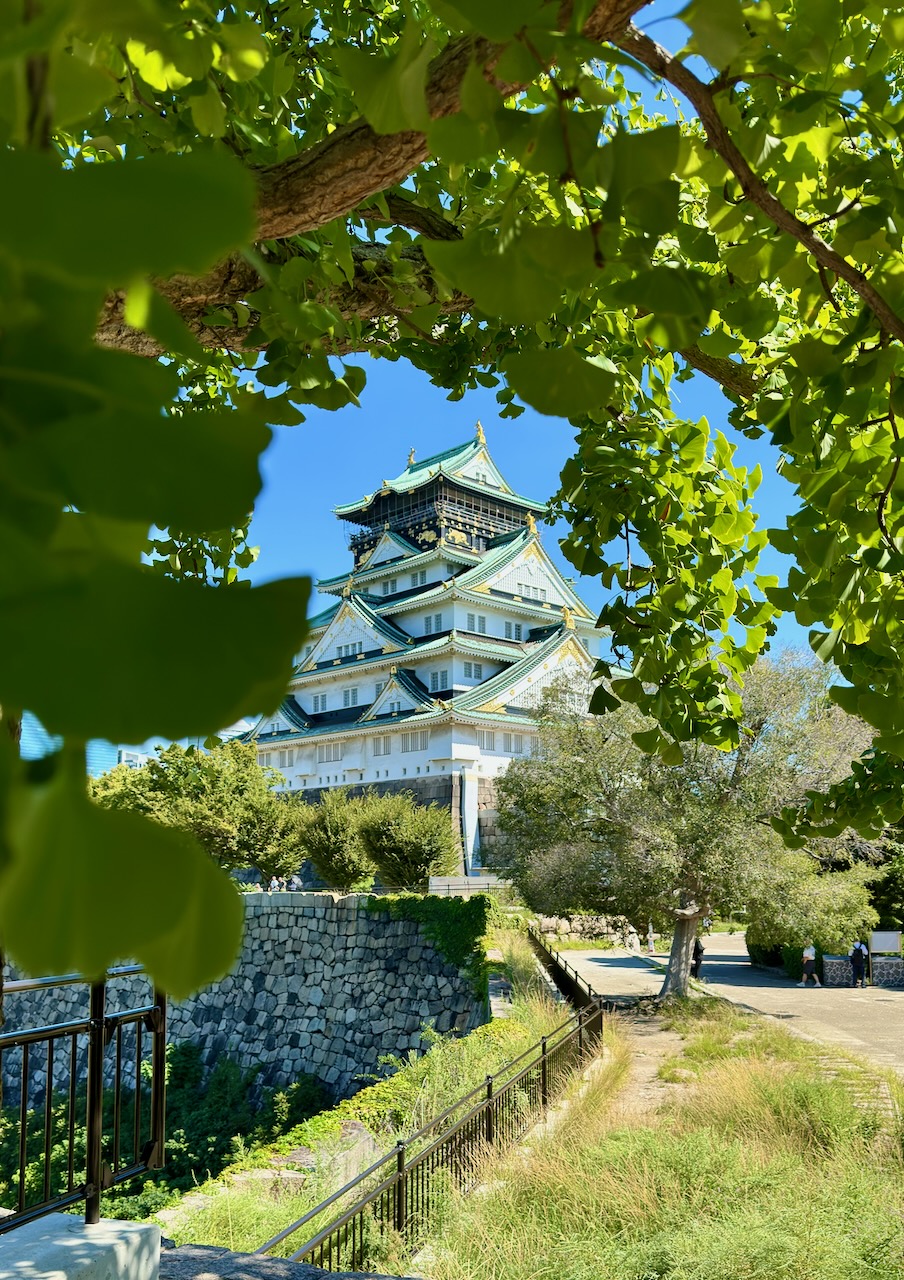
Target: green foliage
888, 889
407, 842
535, 223
329, 837
593, 823
763, 1167
222, 797
456, 926
207, 1114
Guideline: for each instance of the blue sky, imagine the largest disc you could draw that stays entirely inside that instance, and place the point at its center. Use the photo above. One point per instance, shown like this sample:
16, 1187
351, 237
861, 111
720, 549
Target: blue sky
336, 457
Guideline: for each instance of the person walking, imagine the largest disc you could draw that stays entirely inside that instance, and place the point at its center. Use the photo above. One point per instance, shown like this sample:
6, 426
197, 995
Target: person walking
809, 965
858, 958
697, 960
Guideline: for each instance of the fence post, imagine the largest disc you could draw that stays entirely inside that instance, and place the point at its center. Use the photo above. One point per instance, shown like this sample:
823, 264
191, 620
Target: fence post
158, 1084
401, 1206
94, 1119
581, 1031
544, 1075
490, 1114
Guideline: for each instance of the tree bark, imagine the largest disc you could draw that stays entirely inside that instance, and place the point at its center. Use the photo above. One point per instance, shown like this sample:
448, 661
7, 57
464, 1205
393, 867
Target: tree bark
682, 953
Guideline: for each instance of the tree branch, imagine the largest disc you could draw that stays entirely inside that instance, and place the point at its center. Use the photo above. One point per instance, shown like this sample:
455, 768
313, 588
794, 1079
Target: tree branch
354, 163
661, 62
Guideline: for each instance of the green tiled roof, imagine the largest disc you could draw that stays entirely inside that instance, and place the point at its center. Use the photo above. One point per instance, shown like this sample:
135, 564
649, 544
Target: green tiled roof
383, 625
448, 463
442, 550
485, 691
323, 619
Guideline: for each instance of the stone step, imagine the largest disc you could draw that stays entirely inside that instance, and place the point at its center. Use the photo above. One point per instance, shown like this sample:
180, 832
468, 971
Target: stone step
206, 1262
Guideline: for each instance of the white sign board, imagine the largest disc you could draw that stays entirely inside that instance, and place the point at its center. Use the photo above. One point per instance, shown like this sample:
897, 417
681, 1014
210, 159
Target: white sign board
885, 940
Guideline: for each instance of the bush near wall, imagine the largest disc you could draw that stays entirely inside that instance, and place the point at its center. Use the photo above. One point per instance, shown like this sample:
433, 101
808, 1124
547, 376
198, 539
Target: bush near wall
455, 926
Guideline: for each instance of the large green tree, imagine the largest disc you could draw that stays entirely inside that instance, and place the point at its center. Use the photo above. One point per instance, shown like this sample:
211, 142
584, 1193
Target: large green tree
485, 190
593, 823
222, 797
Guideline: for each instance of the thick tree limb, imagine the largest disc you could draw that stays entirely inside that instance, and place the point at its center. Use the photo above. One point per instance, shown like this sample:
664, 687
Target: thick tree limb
366, 298
344, 170
730, 376
372, 296
700, 95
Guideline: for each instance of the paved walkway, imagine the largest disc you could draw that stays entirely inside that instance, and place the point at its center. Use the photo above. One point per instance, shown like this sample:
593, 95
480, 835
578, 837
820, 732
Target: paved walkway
868, 1022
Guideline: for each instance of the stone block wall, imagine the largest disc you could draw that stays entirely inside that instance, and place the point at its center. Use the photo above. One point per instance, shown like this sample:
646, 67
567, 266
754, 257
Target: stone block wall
323, 985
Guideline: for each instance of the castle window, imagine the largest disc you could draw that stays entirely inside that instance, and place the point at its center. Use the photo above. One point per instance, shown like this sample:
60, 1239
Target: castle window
327, 751
512, 630
394, 706
349, 650
478, 670
383, 746
319, 702
438, 680
350, 697
531, 593
390, 585
286, 758
517, 744
379, 687
486, 739
419, 578
416, 741
433, 623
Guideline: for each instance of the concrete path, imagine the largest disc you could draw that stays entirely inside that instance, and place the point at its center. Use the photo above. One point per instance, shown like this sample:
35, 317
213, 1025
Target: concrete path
868, 1022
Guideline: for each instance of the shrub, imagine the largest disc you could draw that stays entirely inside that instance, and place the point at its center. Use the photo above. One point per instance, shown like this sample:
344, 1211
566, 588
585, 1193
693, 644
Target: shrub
329, 836
407, 842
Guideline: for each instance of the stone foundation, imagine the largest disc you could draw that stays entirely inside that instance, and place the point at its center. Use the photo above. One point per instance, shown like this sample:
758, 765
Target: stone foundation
323, 985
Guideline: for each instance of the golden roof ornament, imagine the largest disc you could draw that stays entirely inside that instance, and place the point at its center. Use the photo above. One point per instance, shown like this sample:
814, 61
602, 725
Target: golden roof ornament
385, 526
411, 458
531, 522
567, 618
347, 589
481, 438
393, 671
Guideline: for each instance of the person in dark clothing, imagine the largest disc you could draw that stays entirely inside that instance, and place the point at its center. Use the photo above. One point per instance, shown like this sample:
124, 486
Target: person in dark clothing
698, 958
858, 958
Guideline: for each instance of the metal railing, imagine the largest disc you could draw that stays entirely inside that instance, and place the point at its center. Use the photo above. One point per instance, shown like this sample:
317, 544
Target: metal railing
398, 1194
106, 1123
574, 988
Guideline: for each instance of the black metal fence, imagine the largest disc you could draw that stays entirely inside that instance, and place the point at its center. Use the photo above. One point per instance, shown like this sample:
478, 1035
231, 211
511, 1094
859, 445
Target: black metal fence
398, 1195
572, 986
89, 1108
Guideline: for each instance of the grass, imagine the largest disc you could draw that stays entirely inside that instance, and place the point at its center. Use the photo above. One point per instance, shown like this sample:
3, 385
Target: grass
763, 1169
238, 1213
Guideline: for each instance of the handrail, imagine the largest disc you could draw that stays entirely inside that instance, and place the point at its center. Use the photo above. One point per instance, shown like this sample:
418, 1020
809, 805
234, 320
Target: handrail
495, 1112
105, 1163
17, 985
412, 1138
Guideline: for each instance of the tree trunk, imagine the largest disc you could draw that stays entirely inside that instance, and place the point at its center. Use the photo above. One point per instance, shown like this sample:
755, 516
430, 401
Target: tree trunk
682, 953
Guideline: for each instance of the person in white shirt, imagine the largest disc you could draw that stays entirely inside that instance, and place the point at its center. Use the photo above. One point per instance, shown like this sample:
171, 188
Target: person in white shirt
809, 965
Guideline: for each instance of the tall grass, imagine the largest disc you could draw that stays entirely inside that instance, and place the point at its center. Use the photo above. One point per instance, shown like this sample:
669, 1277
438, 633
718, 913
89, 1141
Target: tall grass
764, 1170
241, 1214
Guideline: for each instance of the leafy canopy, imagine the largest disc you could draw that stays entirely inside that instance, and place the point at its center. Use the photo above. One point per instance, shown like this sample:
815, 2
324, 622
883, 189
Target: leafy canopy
485, 191
594, 823
222, 797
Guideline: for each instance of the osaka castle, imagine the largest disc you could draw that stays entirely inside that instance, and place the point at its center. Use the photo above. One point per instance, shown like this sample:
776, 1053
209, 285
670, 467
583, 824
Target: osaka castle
426, 672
